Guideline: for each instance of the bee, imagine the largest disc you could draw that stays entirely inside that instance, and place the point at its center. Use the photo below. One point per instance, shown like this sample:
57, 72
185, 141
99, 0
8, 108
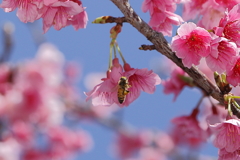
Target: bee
123, 86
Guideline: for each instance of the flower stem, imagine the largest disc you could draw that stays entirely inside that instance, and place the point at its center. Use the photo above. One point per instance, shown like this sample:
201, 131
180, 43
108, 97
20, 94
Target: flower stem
115, 53
110, 57
229, 107
236, 104
235, 97
120, 53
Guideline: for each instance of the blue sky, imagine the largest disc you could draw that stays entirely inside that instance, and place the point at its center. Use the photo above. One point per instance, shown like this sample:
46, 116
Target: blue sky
90, 48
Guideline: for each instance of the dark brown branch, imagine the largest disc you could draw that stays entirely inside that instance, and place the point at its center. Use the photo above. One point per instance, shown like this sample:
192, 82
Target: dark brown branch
116, 20
8, 43
162, 46
147, 47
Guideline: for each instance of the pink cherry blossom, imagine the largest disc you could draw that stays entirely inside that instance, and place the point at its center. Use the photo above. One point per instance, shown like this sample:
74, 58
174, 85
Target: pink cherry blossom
206, 70
28, 10
63, 13
35, 90
140, 80
10, 149
229, 25
162, 16
227, 3
62, 144
154, 5
233, 72
175, 83
166, 26
191, 44
33, 153
211, 14
23, 132
105, 93
79, 21
164, 142
192, 9
151, 153
129, 143
211, 113
54, 12
227, 135
221, 55
208, 12
69, 140
187, 131
224, 155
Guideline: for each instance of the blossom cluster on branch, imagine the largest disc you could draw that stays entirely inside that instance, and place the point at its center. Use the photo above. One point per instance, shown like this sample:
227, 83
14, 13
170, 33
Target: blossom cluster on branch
45, 95
53, 12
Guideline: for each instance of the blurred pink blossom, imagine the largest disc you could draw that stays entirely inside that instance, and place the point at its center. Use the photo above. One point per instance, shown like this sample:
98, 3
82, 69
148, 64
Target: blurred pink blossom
150, 153
128, 143
203, 67
23, 132
9, 149
32, 153
192, 9
224, 155
164, 142
187, 131
211, 13
211, 113
64, 141
175, 83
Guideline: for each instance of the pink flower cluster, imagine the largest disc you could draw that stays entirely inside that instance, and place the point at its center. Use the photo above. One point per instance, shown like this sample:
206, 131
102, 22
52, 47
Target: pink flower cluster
220, 48
57, 13
162, 15
106, 93
207, 12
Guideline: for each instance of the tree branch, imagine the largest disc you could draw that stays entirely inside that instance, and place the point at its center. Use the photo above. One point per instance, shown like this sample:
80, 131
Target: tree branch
163, 47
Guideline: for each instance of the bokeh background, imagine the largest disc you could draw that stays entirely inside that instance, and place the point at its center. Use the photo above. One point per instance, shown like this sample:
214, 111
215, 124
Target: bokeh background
90, 49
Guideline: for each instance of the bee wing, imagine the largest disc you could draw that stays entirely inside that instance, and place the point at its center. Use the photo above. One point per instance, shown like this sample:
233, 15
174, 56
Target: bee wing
115, 88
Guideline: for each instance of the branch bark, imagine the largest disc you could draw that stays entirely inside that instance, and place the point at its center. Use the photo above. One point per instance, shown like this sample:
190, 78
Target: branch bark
163, 47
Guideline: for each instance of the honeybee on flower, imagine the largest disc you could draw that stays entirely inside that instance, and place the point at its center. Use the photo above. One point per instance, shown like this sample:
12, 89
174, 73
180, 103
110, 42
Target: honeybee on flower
123, 89
106, 94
